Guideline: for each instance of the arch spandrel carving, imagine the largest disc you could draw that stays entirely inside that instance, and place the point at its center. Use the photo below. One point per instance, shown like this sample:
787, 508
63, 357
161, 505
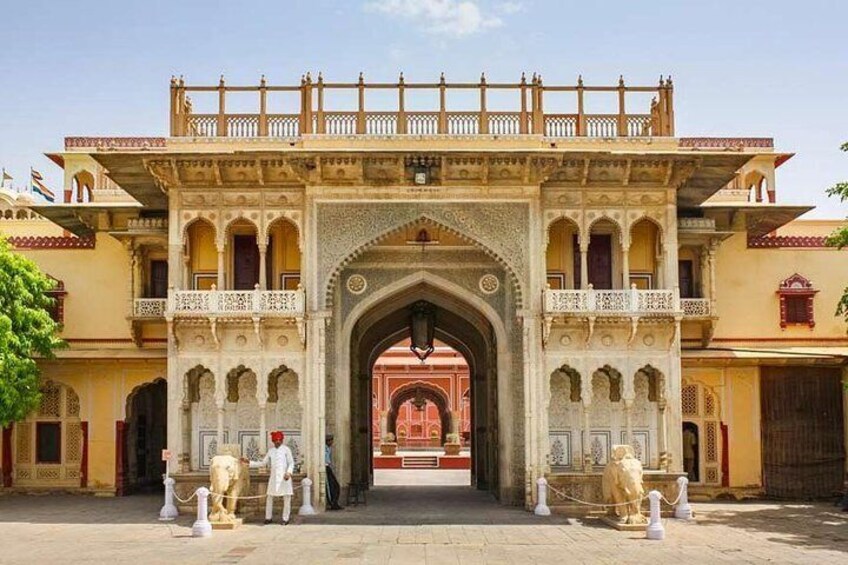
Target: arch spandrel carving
347, 230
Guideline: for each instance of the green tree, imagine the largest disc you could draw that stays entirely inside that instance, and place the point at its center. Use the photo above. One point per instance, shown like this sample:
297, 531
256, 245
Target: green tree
839, 238
26, 331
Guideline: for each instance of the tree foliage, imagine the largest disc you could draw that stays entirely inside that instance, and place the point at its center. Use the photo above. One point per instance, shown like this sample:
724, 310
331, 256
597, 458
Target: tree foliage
26, 331
839, 238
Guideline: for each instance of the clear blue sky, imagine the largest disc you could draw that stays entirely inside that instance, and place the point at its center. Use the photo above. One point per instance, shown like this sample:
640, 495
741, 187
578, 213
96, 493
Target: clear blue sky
741, 68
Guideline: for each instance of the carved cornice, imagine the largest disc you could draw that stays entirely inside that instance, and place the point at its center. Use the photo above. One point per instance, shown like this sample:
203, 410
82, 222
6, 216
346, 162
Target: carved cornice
780, 241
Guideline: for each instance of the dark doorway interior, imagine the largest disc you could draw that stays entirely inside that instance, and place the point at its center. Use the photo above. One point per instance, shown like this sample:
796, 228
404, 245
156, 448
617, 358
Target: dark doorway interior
245, 262
691, 452
599, 260
145, 437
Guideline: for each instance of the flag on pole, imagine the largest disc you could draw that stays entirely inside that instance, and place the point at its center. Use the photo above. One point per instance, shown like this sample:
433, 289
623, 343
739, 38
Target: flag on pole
6, 176
39, 188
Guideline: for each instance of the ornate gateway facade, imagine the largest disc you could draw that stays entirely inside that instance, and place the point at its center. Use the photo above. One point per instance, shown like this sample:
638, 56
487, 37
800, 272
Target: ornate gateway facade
262, 262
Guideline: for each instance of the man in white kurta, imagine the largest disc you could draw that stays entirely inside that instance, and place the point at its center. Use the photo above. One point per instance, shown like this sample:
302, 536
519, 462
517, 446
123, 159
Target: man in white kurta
281, 462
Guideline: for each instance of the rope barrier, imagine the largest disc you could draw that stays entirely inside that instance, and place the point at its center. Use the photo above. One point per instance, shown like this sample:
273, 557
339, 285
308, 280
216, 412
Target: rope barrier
562, 495
253, 497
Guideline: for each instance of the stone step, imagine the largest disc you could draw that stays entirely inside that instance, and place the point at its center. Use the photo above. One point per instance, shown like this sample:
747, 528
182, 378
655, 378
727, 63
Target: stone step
420, 462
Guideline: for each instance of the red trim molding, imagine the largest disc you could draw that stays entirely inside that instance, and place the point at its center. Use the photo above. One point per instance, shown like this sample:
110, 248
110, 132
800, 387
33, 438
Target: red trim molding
725, 456
52, 242
84, 462
7, 456
726, 142
120, 427
114, 142
780, 241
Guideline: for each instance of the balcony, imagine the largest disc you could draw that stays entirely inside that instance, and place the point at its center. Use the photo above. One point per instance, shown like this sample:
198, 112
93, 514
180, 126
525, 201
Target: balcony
611, 303
237, 303
527, 117
149, 308
694, 308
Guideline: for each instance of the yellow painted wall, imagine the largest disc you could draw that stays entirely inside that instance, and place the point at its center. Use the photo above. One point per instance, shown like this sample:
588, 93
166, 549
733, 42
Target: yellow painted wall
202, 248
286, 252
643, 248
97, 285
739, 396
103, 387
559, 255
747, 281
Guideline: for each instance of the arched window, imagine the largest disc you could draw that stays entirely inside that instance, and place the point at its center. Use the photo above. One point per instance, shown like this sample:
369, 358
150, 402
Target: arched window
796, 302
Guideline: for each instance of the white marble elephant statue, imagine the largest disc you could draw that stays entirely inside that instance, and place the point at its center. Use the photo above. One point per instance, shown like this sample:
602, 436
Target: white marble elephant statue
622, 483
229, 476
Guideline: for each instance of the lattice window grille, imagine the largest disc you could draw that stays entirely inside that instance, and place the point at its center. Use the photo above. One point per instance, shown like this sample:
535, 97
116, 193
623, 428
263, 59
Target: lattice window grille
711, 451
50, 402
709, 404
73, 443
689, 400
24, 443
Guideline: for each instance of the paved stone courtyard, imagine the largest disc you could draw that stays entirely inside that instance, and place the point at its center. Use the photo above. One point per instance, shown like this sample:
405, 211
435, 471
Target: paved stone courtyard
451, 525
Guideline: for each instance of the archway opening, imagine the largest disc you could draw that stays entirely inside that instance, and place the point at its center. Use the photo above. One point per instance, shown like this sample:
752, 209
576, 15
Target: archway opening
465, 357
421, 416
145, 437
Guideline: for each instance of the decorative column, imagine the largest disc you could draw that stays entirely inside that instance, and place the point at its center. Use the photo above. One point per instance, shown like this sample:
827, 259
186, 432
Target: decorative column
585, 439
711, 252
184, 456
221, 414
263, 278
221, 249
661, 434
262, 400
705, 272
584, 261
384, 424
625, 265
628, 420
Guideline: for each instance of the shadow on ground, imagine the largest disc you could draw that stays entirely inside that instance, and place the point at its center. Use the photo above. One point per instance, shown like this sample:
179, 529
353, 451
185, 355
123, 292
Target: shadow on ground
430, 505
810, 525
61, 508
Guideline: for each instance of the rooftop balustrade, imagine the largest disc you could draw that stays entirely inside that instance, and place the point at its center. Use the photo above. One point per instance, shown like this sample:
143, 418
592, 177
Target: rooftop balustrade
313, 116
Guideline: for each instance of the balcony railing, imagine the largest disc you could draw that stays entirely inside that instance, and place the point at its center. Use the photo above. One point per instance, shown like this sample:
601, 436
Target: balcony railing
149, 308
235, 303
696, 307
311, 116
591, 302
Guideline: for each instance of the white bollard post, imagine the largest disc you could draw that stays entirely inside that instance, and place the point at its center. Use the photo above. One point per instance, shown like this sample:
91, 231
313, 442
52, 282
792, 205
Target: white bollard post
202, 528
542, 508
655, 530
306, 508
683, 511
169, 511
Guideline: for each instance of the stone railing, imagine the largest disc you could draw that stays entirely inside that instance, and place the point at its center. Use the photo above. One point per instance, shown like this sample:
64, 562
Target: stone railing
149, 307
696, 307
229, 303
318, 116
138, 224
611, 302
696, 224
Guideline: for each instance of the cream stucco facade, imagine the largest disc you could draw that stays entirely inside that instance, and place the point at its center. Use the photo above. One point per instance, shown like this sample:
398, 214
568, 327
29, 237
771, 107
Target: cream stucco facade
607, 282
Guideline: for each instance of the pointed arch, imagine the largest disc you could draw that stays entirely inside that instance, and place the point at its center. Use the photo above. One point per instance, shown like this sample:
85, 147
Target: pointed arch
426, 219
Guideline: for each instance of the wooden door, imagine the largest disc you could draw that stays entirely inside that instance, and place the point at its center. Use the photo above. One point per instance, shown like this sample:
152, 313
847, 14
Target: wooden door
158, 279
802, 431
686, 279
599, 259
245, 262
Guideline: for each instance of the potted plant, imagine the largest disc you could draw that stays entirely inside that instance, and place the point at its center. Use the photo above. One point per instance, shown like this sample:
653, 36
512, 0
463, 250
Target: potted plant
388, 446
452, 445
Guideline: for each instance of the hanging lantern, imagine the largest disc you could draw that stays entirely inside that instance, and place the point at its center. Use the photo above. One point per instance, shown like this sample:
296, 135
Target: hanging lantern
419, 402
422, 329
